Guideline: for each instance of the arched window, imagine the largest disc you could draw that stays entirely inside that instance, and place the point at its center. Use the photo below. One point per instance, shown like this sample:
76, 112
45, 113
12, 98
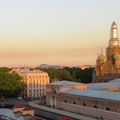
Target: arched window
95, 106
74, 102
65, 101
108, 109
84, 104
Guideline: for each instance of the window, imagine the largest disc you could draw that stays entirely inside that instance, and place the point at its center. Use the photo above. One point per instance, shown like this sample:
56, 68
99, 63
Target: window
108, 109
95, 106
33, 81
84, 104
65, 101
74, 102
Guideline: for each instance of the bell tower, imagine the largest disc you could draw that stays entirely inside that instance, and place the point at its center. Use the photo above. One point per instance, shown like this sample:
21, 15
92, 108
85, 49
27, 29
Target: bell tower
114, 44
114, 41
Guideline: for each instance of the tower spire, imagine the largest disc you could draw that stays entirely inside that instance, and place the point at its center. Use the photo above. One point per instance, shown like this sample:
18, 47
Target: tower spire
113, 31
114, 40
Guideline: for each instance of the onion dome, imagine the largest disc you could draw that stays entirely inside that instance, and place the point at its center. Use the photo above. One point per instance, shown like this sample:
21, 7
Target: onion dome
101, 58
116, 56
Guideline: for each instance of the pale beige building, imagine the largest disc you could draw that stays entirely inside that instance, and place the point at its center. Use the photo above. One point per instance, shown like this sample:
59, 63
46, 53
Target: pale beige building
55, 89
35, 81
95, 99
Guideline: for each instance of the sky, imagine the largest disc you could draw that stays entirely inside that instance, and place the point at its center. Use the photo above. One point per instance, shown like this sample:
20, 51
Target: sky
60, 32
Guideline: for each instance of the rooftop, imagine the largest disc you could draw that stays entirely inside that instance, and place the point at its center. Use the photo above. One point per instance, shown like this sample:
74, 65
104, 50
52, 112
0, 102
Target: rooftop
104, 86
64, 83
7, 113
110, 90
115, 81
26, 70
18, 106
95, 93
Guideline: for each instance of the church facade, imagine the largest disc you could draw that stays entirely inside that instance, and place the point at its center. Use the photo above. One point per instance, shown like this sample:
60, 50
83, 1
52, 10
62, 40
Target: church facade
108, 66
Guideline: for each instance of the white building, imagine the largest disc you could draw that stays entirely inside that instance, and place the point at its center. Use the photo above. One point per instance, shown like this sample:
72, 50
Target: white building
35, 81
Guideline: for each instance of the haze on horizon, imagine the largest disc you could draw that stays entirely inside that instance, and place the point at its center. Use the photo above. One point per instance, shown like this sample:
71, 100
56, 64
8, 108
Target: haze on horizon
62, 32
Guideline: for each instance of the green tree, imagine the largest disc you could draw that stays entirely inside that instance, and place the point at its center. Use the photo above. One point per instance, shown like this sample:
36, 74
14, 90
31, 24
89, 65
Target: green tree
10, 84
70, 74
65, 75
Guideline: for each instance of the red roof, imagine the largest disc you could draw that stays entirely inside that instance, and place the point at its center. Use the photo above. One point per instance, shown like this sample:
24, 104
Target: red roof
19, 106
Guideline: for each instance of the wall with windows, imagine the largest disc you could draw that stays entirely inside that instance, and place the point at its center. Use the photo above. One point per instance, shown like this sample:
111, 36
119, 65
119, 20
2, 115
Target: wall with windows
85, 105
36, 82
96, 113
101, 104
82, 103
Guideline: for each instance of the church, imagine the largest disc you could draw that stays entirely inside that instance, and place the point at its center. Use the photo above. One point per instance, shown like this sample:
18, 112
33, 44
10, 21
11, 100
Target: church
108, 66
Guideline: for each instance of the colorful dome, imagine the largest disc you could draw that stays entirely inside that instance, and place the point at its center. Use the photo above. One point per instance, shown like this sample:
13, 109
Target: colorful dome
116, 56
101, 57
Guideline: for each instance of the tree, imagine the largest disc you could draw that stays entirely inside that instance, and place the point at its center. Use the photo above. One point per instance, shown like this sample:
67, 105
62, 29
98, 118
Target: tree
65, 75
10, 84
70, 74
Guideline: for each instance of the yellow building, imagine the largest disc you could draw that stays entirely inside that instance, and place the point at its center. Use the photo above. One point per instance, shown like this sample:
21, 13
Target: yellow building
108, 67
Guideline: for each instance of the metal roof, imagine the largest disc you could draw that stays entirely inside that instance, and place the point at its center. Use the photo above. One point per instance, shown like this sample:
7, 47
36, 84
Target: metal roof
95, 93
115, 80
64, 83
9, 114
104, 86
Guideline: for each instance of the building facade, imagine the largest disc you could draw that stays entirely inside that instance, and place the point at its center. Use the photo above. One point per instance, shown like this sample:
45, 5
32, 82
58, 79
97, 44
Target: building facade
35, 82
108, 66
95, 100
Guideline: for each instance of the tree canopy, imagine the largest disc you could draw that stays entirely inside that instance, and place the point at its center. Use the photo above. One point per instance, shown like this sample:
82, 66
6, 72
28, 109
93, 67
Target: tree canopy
70, 74
10, 84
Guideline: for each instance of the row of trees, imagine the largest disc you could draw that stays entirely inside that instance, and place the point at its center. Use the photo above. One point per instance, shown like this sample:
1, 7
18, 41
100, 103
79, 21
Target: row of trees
70, 74
10, 83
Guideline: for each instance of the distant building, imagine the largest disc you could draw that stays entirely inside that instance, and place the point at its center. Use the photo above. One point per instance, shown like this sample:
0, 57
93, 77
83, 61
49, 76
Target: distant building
95, 99
35, 81
8, 114
19, 112
86, 66
50, 66
108, 67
